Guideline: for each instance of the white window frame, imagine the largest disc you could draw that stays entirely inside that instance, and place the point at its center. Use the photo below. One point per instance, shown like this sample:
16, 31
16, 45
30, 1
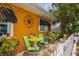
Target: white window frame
46, 28
43, 25
9, 27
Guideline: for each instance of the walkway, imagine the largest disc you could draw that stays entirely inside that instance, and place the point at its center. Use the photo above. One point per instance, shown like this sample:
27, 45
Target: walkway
74, 50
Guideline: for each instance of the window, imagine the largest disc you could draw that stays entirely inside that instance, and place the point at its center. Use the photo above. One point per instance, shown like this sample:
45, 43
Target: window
43, 25
3, 29
6, 27
43, 28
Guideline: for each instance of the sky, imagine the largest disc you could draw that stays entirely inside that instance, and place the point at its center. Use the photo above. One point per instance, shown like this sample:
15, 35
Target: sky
46, 6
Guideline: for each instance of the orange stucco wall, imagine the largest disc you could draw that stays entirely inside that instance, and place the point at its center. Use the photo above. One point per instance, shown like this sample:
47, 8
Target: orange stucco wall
21, 29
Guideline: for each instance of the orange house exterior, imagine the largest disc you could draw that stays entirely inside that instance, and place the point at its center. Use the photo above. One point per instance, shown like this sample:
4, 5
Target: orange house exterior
20, 28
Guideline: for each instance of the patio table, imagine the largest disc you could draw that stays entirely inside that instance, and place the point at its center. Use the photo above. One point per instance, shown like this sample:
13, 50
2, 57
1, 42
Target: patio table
35, 39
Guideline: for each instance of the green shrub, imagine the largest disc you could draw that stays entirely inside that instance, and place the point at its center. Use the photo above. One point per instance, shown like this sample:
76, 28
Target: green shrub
53, 37
45, 53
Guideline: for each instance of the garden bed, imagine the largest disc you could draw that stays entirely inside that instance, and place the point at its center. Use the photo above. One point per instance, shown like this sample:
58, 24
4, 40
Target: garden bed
45, 51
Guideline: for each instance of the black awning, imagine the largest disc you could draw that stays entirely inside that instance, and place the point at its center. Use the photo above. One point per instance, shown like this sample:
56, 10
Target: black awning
43, 22
7, 15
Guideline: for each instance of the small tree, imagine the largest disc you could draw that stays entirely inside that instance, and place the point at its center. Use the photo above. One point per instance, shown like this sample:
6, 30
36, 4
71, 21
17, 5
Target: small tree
66, 12
53, 37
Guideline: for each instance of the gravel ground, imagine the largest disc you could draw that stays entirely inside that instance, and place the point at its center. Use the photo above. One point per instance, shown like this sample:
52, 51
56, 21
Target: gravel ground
47, 50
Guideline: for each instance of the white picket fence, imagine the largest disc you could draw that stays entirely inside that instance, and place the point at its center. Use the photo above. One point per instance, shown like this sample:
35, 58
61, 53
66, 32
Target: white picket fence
66, 48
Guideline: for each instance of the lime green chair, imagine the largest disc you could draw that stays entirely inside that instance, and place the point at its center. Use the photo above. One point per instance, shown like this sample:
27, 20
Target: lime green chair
28, 44
43, 42
40, 35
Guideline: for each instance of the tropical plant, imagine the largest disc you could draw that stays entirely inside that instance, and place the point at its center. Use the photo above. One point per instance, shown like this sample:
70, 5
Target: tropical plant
66, 12
7, 47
